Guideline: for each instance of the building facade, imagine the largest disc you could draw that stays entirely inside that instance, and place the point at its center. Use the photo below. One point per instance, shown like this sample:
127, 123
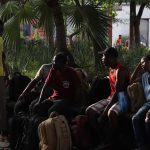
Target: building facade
122, 24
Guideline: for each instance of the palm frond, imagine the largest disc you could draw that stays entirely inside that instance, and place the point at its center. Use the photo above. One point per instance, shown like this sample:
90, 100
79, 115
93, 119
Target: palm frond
27, 13
45, 17
8, 10
24, 14
93, 22
12, 32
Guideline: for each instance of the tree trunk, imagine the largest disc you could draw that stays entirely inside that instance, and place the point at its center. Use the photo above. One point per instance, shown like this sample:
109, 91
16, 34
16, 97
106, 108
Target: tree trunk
60, 42
137, 32
96, 56
132, 18
135, 24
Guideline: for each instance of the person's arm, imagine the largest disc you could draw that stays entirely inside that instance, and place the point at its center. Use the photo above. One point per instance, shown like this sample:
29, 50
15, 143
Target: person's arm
136, 73
48, 84
120, 86
43, 93
31, 85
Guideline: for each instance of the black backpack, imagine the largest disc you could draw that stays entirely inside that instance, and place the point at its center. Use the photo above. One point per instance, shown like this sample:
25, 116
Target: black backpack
17, 84
30, 139
100, 89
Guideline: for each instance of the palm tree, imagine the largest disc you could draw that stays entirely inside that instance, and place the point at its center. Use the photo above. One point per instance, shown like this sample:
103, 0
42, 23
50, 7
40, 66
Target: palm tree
86, 18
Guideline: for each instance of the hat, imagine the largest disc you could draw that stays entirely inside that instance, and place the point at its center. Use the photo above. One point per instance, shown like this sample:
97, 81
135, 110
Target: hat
110, 51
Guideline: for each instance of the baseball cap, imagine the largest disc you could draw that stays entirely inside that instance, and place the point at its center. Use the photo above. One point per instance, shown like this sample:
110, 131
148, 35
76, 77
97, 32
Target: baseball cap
110, 51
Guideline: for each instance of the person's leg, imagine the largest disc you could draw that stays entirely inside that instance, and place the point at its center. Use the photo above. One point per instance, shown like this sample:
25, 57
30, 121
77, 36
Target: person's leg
138, 122
147, 128
42, 108
60, 106
3, 118
113, 115
16, 125
93, 113
23, 104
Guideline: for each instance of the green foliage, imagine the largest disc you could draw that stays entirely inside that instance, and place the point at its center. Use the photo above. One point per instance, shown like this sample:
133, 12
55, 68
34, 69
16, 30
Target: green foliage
83, 54
92, 22
29, 57
84, 57
132, 57
35, 12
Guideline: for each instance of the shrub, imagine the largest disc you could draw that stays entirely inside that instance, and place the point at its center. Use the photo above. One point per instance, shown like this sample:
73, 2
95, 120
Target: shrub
131, 57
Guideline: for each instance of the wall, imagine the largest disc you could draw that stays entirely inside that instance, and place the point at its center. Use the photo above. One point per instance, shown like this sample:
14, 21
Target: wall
121, 26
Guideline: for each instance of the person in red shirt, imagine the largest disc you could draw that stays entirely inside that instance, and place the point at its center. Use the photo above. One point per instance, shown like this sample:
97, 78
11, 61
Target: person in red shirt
64, 82
117, 102
119, 40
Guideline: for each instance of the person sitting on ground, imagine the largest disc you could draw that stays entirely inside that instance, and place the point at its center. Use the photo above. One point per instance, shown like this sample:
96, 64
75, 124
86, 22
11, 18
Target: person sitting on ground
64, 82
117, 102
33, 89
142, 115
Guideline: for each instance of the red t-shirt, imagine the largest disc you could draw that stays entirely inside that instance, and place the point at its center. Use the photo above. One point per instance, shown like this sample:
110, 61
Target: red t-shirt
112, 79
64, 83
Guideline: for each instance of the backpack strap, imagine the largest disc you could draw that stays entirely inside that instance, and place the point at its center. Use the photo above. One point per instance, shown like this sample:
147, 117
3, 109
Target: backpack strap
63, 133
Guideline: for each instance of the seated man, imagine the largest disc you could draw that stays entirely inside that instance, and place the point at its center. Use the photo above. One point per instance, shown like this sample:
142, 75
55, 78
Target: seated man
140, 120
33, 89
117, 102
64, 82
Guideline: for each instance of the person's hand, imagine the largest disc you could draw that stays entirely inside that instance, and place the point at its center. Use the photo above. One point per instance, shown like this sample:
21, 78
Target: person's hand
147, 119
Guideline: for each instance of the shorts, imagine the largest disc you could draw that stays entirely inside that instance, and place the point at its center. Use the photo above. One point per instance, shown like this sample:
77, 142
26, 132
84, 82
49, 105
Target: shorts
100, 106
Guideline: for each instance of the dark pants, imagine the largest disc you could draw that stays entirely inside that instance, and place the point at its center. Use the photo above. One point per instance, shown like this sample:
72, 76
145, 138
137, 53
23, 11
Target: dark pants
148, 133
47, 106
23, 104
139, 126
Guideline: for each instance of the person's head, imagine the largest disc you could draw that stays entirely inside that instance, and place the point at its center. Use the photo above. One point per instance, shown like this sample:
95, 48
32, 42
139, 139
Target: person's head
1, 27
145, 63
60, 60
110, 57
120, 36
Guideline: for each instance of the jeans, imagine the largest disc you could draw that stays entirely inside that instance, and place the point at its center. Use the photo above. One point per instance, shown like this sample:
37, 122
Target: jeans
148, 133
139, 125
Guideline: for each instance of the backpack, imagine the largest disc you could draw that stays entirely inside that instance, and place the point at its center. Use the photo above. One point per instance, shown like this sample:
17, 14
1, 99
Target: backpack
29, 139
16, 85
136, 96
82, 135
54, 134
100, 89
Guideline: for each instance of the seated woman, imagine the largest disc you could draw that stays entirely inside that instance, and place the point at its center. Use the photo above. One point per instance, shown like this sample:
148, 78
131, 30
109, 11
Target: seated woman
139, 119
